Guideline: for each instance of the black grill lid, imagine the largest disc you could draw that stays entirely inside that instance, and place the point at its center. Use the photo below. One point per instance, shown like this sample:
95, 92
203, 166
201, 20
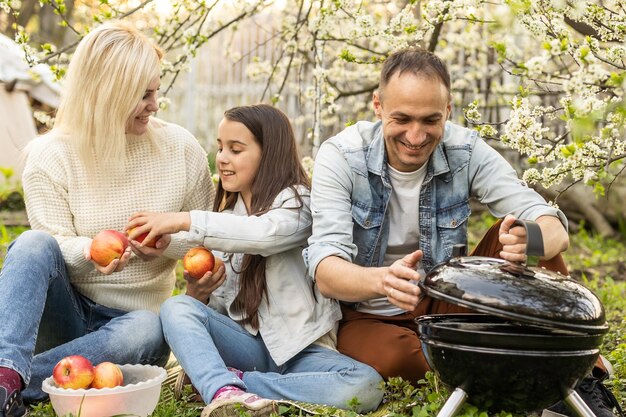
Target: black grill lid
524, 294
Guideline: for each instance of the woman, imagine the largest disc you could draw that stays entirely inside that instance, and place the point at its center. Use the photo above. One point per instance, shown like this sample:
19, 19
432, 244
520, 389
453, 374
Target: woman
105, 158
267, 332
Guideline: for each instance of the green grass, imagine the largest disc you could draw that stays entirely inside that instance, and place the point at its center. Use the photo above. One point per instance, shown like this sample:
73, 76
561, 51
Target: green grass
597, 262
7, 235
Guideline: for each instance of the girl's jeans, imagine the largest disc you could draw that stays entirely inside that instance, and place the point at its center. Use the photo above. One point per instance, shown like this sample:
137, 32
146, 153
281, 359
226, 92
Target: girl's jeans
44, 319
205, 342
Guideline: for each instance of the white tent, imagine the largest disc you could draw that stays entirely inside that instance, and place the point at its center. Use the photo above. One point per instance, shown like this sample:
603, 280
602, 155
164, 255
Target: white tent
17, 82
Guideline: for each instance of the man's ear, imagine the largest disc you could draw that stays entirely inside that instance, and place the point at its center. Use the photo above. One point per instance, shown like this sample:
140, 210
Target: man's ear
376, 103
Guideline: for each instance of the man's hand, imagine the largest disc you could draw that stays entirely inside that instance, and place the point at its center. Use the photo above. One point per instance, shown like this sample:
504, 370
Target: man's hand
116, 265
513, 240
201, 289
400, 282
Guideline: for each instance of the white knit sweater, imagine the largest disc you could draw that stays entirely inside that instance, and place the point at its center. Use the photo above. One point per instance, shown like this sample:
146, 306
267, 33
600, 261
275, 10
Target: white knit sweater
62, 201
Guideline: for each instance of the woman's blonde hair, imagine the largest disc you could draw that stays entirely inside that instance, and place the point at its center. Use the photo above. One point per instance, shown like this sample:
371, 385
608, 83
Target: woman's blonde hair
106, 80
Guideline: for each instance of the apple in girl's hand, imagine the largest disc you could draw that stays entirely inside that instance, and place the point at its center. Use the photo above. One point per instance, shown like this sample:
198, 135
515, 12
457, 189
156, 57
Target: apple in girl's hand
107, 375
218, 263
73, 372
198, 261
107, 246
141, 237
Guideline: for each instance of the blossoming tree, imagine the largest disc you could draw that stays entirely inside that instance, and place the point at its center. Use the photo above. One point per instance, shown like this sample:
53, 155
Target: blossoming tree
542, 78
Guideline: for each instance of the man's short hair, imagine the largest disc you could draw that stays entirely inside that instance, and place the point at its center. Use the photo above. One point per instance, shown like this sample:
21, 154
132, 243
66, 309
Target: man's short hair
416, 61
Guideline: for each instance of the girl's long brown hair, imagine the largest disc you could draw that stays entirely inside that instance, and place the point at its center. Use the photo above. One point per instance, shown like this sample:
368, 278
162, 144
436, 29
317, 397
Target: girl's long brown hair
279, 168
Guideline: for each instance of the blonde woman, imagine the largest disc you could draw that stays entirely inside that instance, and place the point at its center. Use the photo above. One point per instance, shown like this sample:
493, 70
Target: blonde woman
105, 158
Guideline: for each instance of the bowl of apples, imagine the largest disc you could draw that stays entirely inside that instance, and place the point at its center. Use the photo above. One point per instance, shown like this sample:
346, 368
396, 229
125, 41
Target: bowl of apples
82, 389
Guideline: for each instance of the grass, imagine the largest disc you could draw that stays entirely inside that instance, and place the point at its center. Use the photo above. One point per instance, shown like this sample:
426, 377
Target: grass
7, 235
597, 262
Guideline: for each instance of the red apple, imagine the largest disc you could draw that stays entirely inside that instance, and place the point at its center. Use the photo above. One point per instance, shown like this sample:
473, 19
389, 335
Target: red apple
107, 375
141, 237
107, 246
73, 372
218, 263
198, 261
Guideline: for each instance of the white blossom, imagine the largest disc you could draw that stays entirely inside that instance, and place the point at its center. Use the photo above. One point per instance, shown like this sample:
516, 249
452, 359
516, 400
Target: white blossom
523, 132
164, 103
44, 118
5, 6
616, 54
536, 65
531, 176
471, 112
307, 164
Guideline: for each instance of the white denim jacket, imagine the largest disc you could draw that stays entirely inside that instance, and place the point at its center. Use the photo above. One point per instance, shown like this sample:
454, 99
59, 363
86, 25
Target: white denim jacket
297, 314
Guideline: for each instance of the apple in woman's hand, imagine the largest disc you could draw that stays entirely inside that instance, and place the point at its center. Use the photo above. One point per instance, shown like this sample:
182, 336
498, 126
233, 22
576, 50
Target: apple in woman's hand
107, 246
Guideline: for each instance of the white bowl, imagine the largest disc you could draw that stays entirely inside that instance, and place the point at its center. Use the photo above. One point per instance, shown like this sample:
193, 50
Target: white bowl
137, 397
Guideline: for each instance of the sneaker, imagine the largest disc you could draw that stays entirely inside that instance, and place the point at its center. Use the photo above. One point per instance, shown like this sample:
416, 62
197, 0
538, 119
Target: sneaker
236, 371
235, 403
12, 406
597, 397
182, 380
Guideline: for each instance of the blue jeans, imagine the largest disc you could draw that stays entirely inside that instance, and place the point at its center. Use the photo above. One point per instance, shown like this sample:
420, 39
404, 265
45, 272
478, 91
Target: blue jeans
205, 342
43, 318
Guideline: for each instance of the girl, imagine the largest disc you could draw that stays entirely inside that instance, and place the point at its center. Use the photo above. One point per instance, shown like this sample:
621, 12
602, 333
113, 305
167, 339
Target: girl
267, 332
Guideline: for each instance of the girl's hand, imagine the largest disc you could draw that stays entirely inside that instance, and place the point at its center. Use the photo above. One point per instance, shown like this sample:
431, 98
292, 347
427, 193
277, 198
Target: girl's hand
149, 253
156, 224
116, 265
201, 289
513, 240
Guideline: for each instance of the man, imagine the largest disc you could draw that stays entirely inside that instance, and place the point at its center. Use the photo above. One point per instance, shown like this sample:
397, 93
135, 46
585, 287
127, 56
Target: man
391, 198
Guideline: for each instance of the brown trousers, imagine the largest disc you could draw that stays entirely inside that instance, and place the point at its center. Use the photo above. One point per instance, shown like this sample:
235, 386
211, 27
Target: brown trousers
391, 344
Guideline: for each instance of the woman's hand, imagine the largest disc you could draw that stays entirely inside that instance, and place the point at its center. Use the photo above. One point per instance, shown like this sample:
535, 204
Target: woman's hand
116, 265
201, 289
149, 253
398, 285
156, 225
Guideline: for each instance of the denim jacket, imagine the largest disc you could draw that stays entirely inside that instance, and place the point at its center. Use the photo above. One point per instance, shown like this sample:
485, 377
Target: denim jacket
294, 314
351, 192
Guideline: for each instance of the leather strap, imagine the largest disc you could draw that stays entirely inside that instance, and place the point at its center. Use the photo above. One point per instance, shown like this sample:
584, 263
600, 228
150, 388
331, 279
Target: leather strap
534, 245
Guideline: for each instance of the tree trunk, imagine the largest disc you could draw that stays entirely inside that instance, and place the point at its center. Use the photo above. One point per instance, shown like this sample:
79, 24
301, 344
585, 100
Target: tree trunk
49, 29
27, 11
579, 203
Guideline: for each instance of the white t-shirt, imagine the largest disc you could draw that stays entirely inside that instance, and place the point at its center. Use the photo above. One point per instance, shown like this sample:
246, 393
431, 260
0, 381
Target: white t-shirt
403, 229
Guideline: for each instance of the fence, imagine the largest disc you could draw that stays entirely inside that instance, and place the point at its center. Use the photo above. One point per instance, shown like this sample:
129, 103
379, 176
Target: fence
214, 84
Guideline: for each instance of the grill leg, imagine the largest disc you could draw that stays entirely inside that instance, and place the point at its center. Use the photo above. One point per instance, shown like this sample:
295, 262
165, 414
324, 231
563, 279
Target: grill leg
456, 401
577, 405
